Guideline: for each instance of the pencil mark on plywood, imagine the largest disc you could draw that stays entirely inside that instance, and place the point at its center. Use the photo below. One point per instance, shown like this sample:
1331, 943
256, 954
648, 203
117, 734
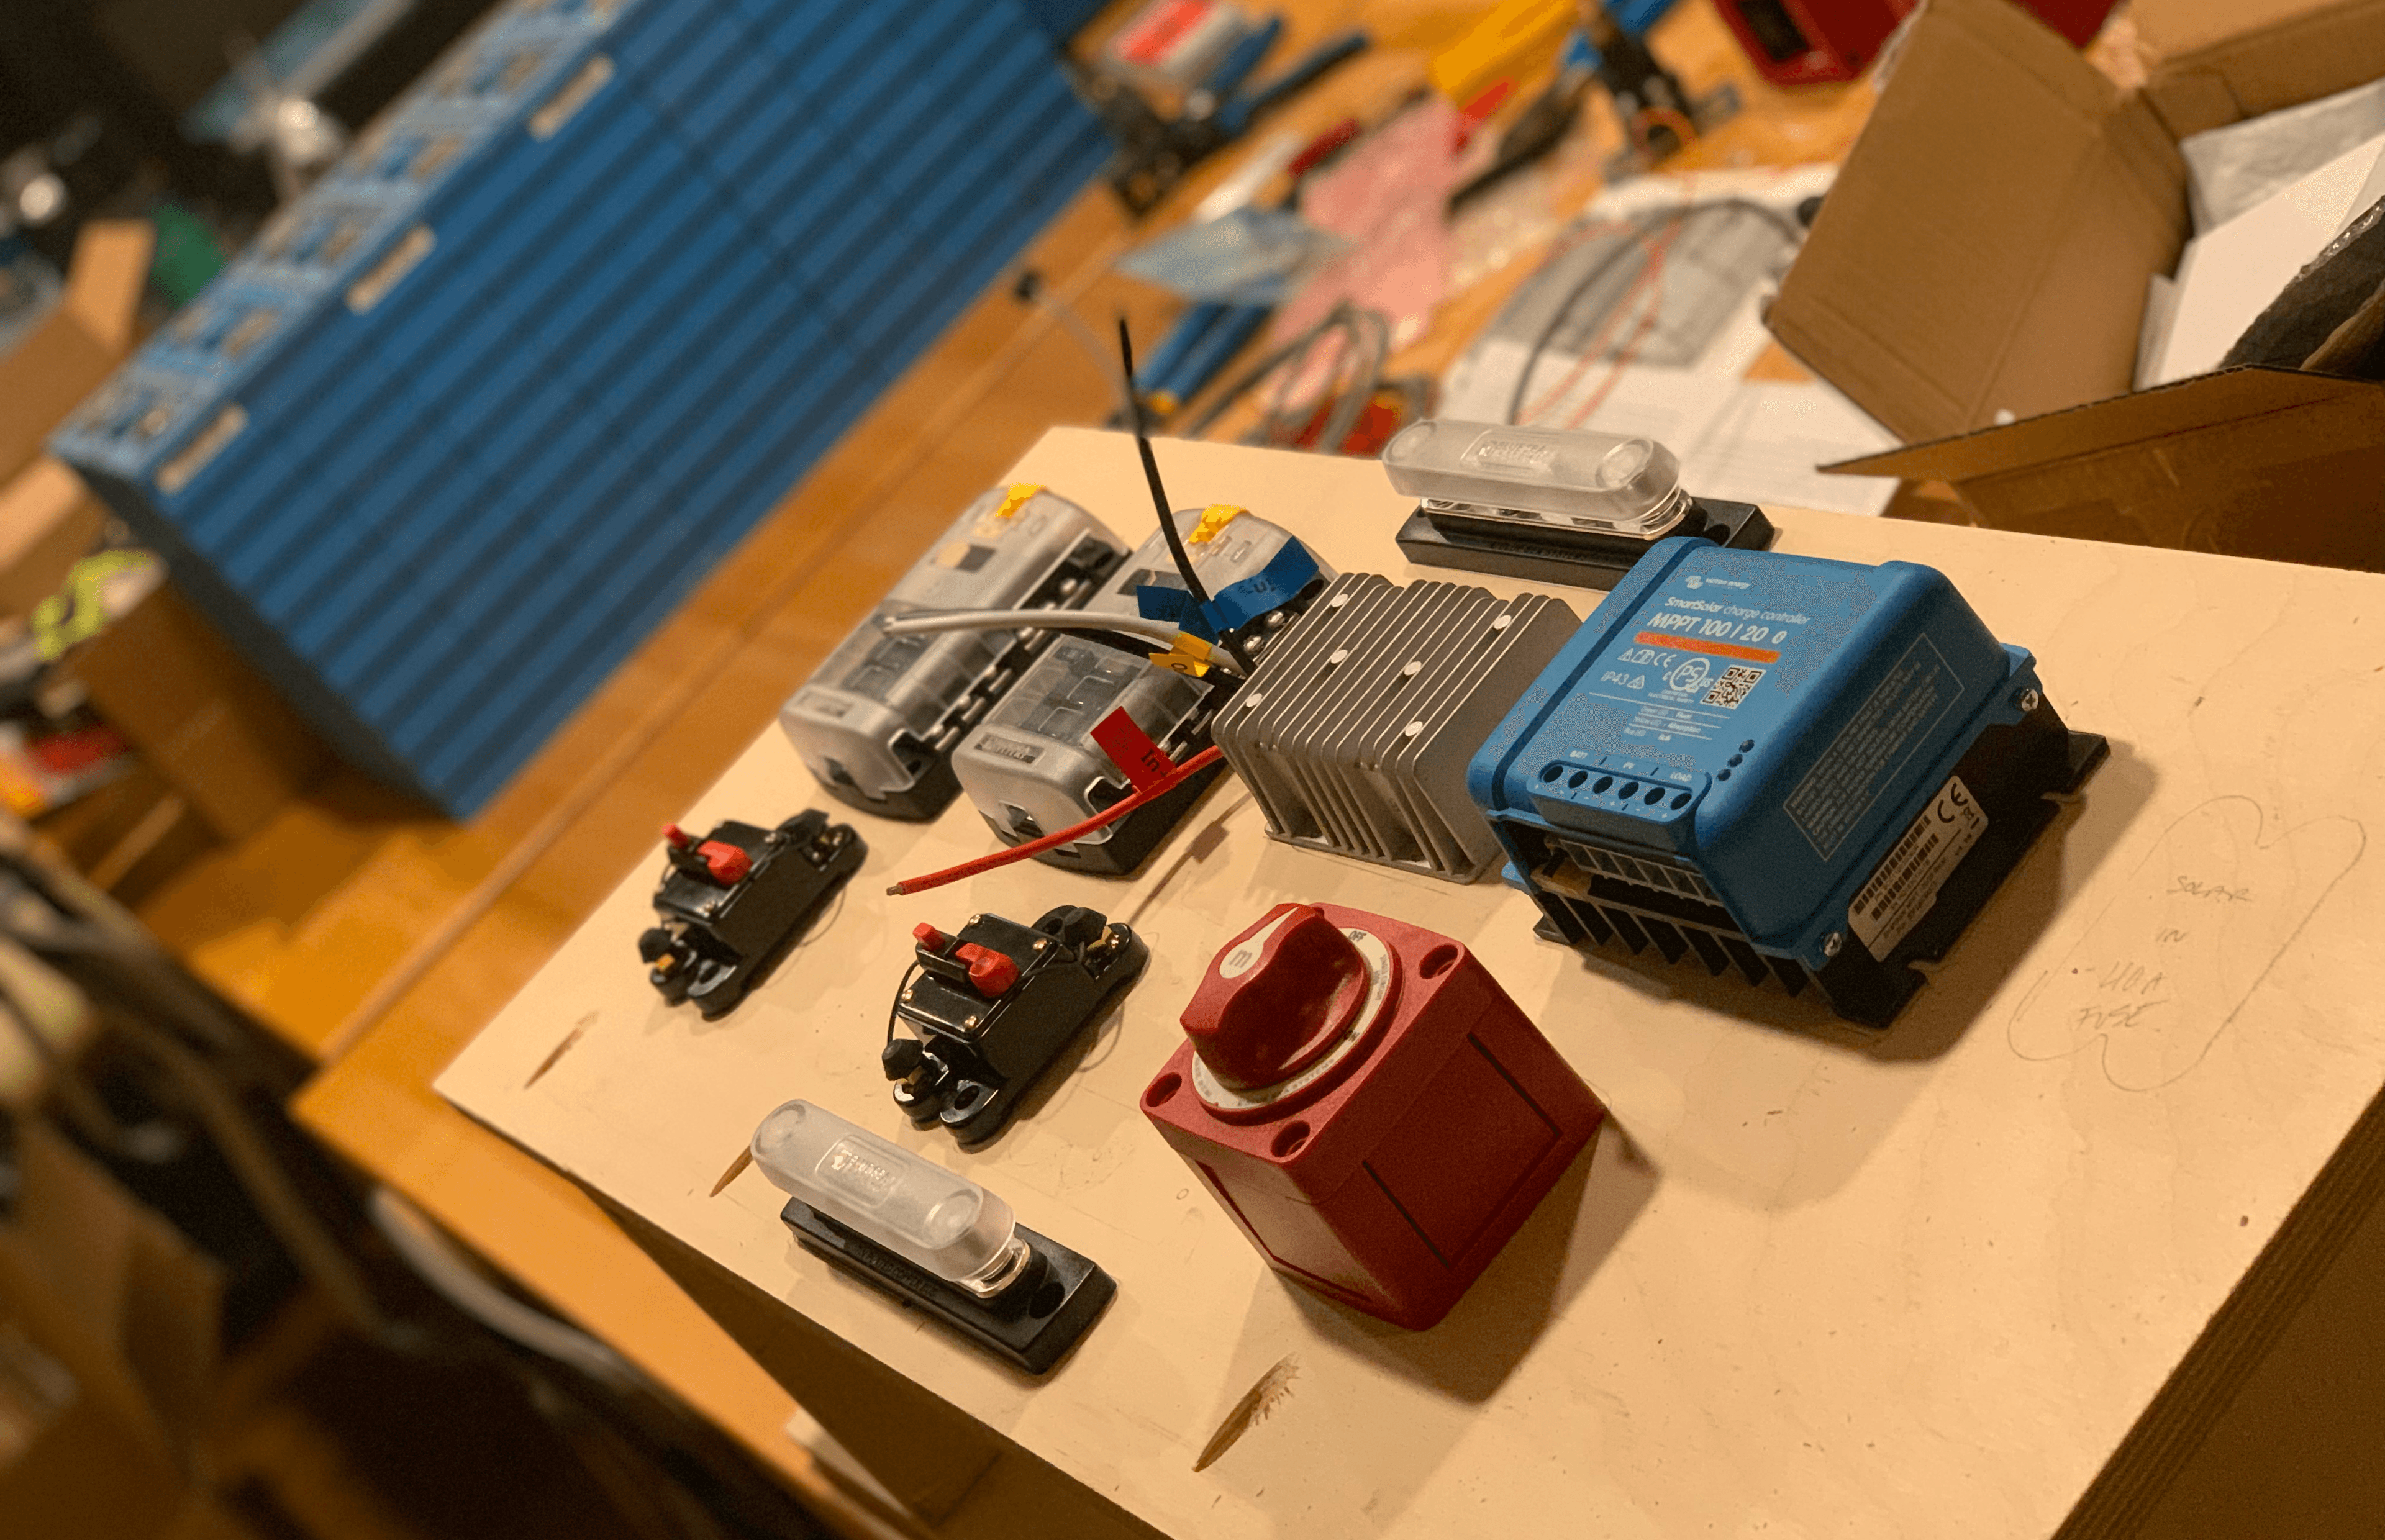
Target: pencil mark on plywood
561, 1049
2197, 928
1262, 1399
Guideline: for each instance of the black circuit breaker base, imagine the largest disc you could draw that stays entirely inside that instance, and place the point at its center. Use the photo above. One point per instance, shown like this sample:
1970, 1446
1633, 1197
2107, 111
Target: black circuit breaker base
716, 941
1032, 1326
2013, 771
978, 1058
1553, 553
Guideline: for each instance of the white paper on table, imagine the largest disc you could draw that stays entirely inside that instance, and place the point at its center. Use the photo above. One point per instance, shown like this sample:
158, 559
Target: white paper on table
1739, 439
2228, 277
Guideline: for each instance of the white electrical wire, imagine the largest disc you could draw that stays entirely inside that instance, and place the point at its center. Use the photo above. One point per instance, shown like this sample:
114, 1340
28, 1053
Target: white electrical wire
925, 622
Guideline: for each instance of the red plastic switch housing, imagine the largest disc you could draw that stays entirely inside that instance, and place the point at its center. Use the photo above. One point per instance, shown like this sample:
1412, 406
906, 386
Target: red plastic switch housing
1369, 1104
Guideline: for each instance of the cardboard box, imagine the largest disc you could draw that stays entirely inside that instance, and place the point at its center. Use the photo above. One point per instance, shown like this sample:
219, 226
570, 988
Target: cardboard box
79, 344
1978, 276
207, 722
48, 520
110, 1328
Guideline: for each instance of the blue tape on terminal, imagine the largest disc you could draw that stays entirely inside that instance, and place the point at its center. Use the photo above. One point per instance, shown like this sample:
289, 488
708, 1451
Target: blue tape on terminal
1271, 588
1156, 602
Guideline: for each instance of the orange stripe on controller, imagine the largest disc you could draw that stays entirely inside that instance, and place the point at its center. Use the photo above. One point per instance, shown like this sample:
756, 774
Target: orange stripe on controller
1713, 649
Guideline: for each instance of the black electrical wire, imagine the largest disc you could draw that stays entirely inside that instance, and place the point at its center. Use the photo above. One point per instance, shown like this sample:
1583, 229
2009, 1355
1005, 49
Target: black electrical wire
1369, 339
1634, 244
1343, 318
1193, 584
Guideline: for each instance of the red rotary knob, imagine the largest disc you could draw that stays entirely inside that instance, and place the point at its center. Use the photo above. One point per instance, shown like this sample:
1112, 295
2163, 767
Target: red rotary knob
1275, 999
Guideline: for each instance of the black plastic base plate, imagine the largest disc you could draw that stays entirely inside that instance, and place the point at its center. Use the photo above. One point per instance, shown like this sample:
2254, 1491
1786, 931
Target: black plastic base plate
2013, 771
988, 1117
1035, 1333
1552, 553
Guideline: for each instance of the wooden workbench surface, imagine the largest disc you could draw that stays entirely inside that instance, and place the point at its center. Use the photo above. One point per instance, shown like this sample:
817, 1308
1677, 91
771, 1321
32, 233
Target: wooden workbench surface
1808, 1280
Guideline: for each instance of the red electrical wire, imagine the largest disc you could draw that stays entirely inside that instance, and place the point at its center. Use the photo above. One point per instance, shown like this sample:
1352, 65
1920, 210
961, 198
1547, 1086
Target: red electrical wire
1102, 819
1655, 246
1630, 348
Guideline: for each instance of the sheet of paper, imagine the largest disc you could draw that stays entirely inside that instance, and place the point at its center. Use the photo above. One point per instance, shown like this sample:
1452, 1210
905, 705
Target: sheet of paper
1740, 440
2228, 277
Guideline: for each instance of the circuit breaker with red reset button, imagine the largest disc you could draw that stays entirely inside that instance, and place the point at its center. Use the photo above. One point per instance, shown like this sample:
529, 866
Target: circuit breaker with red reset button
732, 903
1372, 1108
994, 1005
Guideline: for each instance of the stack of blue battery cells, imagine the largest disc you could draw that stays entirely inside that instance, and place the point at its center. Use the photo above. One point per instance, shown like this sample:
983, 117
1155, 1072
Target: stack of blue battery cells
472, 415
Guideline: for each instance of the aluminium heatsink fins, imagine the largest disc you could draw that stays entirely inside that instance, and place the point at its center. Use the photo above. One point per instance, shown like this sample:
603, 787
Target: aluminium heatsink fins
1355, 730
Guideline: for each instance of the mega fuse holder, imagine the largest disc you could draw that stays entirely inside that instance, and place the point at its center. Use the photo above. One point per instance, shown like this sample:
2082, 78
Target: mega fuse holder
876, 724
731, 903
935, 1241
1799, 769
1372, 1109
1556, 505
1038, 766
992, 1006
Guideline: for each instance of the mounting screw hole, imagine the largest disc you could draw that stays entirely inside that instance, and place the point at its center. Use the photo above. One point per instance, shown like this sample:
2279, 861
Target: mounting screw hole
1162, 1090
1289, 1139
1438, 962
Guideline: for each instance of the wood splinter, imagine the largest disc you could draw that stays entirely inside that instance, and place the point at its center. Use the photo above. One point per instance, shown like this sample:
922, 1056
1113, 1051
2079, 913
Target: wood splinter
1270, 1391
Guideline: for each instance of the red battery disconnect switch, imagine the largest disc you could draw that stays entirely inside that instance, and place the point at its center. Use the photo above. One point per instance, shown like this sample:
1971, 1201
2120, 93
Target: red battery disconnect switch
1372, 1108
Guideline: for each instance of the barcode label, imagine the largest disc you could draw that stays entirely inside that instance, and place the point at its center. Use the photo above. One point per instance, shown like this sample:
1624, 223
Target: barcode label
1904, 886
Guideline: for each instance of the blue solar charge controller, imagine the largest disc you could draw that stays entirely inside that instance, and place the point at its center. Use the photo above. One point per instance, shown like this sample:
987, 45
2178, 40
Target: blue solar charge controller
1808, 770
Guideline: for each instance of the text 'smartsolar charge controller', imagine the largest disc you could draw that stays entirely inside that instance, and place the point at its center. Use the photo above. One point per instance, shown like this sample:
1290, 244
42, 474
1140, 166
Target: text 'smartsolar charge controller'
1804, 769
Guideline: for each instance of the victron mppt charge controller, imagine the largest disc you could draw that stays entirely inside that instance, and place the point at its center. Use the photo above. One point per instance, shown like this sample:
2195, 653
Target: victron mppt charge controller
1807, 770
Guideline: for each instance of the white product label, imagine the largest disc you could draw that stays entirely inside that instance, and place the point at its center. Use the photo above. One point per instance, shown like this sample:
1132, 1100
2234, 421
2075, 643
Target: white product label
1904, 886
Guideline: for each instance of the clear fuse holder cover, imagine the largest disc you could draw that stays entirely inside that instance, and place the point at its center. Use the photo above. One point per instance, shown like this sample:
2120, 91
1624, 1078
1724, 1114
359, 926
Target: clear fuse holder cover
905, 1202
1630, 486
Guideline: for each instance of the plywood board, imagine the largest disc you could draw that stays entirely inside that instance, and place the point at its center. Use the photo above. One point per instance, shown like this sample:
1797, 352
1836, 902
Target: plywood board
1808, 1280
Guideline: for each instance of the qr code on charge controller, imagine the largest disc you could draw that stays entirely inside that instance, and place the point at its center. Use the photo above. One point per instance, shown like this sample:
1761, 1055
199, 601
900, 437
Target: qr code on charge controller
1732, 687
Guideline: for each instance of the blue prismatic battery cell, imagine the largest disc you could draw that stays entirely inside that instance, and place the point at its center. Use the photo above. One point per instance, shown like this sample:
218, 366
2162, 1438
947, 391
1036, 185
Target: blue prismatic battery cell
1804, 770
475, 413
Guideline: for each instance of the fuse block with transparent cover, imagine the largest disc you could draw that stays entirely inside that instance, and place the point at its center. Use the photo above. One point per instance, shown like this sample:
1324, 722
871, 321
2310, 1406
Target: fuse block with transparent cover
1563, 505
878, 723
